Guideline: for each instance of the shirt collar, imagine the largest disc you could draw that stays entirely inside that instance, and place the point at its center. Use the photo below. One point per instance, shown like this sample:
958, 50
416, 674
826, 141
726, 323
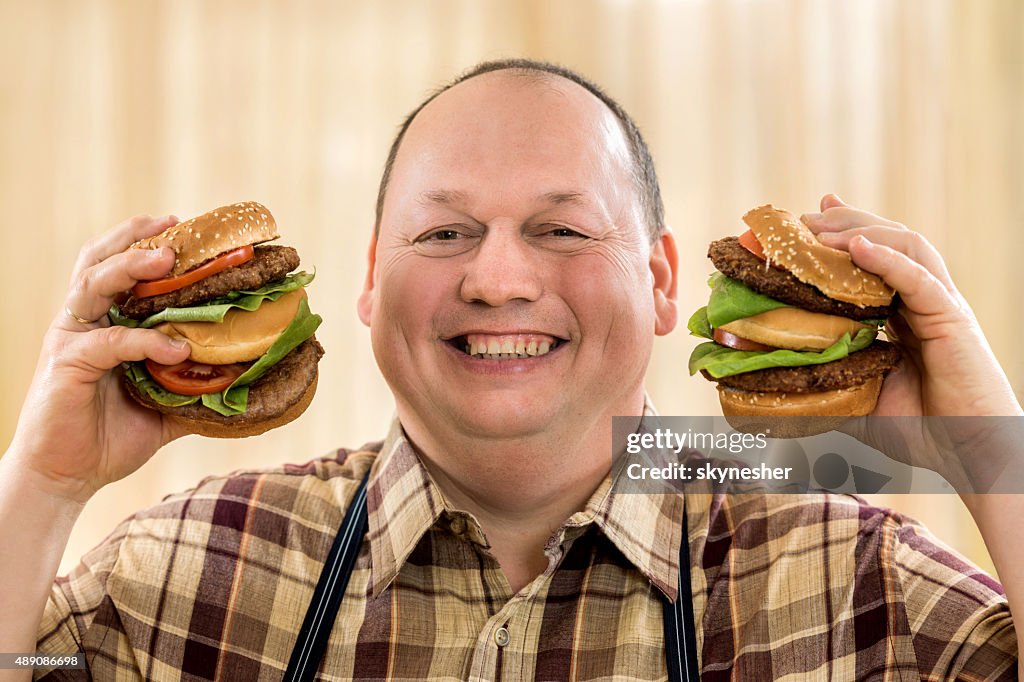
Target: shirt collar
403, 503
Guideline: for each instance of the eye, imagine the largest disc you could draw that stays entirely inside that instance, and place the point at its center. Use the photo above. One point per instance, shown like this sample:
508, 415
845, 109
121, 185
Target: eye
449, 240
442, 235
562, 231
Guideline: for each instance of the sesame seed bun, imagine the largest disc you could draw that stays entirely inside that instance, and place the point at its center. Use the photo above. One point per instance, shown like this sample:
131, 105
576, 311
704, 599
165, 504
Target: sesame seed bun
205, 237
789, 244
753, 411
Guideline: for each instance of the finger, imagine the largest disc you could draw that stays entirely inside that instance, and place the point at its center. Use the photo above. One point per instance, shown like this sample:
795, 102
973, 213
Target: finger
101, 350
93, 291
831, 201
921, 292
844, 217
907, 242
118, 239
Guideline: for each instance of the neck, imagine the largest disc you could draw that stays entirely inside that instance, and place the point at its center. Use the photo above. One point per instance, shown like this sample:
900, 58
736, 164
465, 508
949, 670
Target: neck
520, 489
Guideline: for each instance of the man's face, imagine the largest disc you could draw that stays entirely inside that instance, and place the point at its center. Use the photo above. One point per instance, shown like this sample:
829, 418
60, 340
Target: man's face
512, 226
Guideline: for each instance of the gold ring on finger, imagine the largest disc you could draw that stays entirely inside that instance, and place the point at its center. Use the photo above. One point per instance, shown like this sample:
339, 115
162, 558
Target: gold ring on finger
76, 318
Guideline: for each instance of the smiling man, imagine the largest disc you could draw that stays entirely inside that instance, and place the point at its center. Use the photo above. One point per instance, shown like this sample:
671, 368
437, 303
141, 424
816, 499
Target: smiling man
518, 274
510, 224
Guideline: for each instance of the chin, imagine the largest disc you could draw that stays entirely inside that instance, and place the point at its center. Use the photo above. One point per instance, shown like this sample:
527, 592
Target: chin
503, 422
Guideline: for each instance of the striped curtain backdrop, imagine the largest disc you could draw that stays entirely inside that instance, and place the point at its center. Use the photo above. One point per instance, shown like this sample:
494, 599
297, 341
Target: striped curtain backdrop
109, 108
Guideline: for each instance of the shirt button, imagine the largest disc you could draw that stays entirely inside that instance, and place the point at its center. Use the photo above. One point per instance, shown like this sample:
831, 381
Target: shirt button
501, 636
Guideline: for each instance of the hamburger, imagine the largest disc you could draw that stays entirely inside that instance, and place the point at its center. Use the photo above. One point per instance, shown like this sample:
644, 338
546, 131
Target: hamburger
242, 310
792, 325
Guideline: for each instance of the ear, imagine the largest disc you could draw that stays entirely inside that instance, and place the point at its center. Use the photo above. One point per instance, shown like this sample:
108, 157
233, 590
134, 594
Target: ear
366, 299
664, 266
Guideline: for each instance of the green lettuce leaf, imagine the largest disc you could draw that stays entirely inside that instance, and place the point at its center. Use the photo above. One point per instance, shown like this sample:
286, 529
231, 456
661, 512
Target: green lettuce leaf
720, 361
215, 310
234, 399
699, 325
302, 326
732, 300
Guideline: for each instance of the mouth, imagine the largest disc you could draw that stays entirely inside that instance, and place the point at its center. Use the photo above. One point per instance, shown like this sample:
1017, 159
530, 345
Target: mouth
505, 346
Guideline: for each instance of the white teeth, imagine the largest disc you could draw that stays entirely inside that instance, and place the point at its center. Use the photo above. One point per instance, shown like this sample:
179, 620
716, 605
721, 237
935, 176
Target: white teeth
508, 349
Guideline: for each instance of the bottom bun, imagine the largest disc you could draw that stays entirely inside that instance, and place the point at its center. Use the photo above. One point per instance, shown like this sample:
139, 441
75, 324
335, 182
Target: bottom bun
756, 412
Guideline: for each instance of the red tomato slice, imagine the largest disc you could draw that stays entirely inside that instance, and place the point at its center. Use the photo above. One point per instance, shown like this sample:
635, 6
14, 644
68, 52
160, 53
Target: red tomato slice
223, 262
193, 378
750, 243
732, 341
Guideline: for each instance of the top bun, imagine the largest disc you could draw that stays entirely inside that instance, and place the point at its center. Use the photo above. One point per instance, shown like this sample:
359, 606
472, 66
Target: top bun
791, 245
207, 236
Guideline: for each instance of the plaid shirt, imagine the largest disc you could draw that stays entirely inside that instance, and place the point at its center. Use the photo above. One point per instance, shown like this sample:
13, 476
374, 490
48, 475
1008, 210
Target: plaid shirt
214, 583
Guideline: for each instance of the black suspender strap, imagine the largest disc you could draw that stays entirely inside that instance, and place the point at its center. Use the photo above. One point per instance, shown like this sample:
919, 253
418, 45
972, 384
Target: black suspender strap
680, 629
323, 608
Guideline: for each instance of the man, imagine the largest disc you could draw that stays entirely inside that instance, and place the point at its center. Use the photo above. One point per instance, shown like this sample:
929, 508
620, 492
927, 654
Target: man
518, 205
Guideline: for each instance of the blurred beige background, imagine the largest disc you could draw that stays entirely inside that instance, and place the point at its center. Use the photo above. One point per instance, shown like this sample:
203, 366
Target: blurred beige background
913, 109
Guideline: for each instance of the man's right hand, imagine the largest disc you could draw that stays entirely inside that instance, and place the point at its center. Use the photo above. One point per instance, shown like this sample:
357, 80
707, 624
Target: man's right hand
78, 429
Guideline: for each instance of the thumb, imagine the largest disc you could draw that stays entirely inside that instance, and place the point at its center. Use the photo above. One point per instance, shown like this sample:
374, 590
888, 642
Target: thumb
831, 201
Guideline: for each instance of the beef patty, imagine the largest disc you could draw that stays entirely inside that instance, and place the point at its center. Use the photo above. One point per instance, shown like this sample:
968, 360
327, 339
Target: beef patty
878, 359
269, 263
734, 261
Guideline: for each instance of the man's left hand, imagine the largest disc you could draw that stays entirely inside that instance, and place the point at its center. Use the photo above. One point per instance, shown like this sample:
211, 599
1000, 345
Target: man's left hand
948, 368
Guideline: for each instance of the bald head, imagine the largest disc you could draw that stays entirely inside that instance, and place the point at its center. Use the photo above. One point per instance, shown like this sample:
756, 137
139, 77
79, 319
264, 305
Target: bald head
524, 74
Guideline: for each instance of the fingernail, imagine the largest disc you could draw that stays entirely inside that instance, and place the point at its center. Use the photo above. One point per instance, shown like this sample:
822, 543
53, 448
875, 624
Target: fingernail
864, 243
177, 344
156, 254
811, 217
829, 236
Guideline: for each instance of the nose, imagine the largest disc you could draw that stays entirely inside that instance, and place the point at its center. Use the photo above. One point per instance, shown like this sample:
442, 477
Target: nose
502, 269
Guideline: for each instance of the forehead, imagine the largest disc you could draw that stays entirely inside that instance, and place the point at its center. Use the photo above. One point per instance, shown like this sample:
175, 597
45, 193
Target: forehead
512, 130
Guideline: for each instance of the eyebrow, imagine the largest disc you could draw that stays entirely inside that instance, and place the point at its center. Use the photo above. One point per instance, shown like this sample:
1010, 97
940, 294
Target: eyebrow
450, 197
442, 196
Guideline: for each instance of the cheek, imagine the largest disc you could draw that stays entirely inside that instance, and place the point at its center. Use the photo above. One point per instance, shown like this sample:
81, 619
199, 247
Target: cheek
410, 292
611, 295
